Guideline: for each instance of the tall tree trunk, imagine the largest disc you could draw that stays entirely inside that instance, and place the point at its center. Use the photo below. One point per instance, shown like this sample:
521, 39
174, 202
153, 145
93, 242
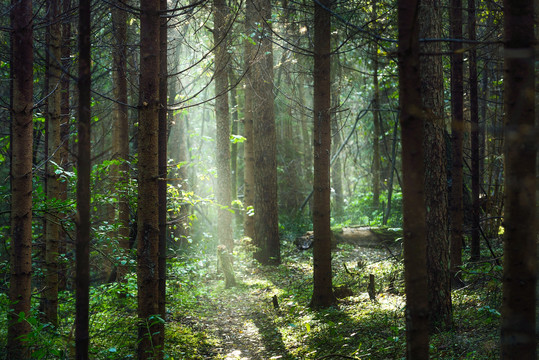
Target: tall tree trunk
518, 337
163, 175
65, 128
52, 228
222, 115
21, 178
120, 129
474, 120
432, 96
82, 256
248, 146
376, 122
413, 177
265, 147
336, 168
234, 130
322, 275
148, 217
457, 131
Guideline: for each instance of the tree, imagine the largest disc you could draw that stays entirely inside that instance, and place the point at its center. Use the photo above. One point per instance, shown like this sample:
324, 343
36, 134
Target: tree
222, 114
21, 178
120, 142
518, 331
52, 226
148, 217
82, 248
413, 177
457, 131
322, 274
432, 97
264, 138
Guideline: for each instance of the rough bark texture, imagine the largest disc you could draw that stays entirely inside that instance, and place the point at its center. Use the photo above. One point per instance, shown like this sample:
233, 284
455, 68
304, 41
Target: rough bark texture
518, 339
248, 145
322, 274
432, 97
21, 178
264, 136
413, 176
52, 228
148, 218
163, 175
82, 252
457, 130
120, 129
222, 116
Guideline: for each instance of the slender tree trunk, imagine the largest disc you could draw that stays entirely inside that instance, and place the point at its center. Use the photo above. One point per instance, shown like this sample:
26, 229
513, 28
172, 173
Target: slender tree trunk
52, 228
163, 175
120, 129
391, 174
413, 177
265, 147
82, 338
518, 336
336, 168
20, 286
376, 121
432, 94
474, 120
457, 130
322, 274
222, 115
148, 217
248, 145
234, 130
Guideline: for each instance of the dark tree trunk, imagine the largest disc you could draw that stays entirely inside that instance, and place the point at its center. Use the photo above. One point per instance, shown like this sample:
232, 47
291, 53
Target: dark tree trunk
474, 120
148, 217
518, 336
413, 176
21, 178
222, 115
83, 185
322, 274
432, 94
457, 130
163, 175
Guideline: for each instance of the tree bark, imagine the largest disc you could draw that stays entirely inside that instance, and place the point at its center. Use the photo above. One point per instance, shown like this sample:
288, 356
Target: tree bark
82, 339
413, 177
322, 273
148, 217
21, 178
265, 147
432, 96
518, 339
222, 115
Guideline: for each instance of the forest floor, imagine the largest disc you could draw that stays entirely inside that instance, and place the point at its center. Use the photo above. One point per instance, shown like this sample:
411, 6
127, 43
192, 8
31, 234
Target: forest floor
242, 323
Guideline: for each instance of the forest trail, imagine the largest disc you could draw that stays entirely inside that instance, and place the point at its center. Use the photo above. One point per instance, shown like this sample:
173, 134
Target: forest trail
243, 321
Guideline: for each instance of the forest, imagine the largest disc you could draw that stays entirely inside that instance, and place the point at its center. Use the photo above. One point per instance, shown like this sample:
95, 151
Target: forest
263, 180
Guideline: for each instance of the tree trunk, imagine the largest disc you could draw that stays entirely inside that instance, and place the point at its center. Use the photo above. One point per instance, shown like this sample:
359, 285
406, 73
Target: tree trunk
336, 168
457, 130
474, 120
222, 115
82, 250
52, 228
120, 129
21, 178
148, 217
518, 339
265, 147
413, 177
163, 175
376, 122
322, 273
248, 146
432, 96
